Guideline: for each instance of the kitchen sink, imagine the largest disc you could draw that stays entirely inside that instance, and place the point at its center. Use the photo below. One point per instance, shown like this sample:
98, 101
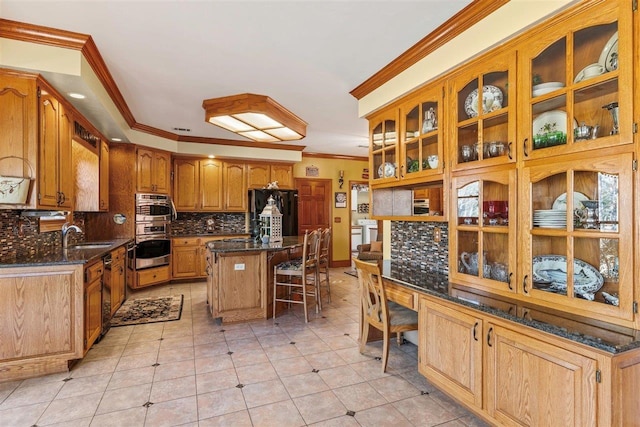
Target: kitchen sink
89, 245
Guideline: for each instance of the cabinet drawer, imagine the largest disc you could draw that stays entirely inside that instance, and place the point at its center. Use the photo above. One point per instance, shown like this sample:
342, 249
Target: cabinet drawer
153, 275
185, 241
118, 254
401, 296
93, 272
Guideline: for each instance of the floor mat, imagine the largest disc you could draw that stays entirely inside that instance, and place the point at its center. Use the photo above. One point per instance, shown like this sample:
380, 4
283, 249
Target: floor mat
148, 310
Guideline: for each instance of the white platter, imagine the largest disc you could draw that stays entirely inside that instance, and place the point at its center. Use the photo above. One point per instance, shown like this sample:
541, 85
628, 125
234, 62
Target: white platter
386, 170
551, 270
556, 121
609, 56
542, 88
491, 101
561, 202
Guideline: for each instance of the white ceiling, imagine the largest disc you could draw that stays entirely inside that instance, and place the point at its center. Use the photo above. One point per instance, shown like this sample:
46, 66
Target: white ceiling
167, 56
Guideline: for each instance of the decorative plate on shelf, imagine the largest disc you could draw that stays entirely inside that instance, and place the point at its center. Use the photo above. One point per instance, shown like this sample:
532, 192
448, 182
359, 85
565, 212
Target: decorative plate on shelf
491, 101
550, 272
386, 170
561, 202
542, 88
609, 56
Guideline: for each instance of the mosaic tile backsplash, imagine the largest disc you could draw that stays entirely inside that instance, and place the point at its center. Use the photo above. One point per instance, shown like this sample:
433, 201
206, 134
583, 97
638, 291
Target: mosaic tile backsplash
196, 223
19, 237
413, 248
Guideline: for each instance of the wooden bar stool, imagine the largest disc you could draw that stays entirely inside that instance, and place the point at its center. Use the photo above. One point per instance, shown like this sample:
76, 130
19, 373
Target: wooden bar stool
298, 277
323, 264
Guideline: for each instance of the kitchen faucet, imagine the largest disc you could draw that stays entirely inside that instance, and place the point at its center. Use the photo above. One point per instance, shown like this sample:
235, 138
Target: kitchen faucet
66, 227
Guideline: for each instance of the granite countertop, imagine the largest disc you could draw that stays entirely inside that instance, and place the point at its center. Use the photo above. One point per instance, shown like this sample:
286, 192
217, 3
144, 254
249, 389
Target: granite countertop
177, 236
597, 334
249, 244
79, 254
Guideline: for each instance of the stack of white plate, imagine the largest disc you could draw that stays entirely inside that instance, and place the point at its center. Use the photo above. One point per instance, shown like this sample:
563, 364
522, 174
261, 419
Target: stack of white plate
550, 218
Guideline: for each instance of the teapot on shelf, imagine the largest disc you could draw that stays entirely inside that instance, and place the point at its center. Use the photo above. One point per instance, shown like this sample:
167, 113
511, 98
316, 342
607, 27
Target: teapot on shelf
470, 262
584, 131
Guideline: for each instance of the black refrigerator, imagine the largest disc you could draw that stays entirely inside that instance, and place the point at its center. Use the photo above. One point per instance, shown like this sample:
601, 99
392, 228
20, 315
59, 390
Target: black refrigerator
287, 203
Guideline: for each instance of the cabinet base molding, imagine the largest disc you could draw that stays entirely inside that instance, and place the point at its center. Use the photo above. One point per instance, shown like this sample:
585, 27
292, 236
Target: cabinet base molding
23, 369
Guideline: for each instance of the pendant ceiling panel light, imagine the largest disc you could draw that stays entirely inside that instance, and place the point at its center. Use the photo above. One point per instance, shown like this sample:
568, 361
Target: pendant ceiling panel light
257, 117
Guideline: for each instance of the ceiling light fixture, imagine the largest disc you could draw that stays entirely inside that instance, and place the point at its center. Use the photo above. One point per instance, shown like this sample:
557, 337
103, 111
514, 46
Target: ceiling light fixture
257, 117
116, 139
76, 95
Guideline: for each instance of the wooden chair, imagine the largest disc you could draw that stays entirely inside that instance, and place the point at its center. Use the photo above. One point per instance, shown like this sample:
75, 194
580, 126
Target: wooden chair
387, 316
323, 264
301, 275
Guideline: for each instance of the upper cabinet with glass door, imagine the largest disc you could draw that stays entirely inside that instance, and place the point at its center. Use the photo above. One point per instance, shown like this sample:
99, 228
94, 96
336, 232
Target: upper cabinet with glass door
576, 83
383, 153
421, 139
483, 113
577, 239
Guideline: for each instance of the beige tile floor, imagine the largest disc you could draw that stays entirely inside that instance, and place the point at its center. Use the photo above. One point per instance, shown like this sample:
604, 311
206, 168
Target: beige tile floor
194, 372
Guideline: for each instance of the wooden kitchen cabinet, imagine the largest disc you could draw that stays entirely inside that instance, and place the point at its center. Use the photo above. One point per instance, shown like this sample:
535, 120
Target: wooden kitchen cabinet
531, 382
453, 363
483, 229
55, 176
261, 174
598, 241
555, 94
209, 185
104, 176
152, 276
482, 113
118, 278
384, 153
243, 294
235, 187
42, 306
187, 257
92, 303
19, 127
153, 169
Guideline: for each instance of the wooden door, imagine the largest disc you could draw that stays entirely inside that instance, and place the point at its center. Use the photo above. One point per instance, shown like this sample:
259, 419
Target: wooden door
314, 204
186, 184
144, 177
66, 179
535, 383
235, 184
211, 185
104, 176
161, 172
48, 152
454, 363
258, 175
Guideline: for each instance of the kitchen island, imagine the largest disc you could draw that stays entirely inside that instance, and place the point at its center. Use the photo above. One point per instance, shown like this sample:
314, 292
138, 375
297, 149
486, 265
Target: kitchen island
240, 276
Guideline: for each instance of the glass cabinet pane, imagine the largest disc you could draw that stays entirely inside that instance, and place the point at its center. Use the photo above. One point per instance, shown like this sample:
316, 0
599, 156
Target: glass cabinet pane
468, 206
468, 260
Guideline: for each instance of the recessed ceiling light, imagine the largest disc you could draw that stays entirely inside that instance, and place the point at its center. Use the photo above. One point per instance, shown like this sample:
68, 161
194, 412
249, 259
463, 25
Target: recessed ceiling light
211, 156
116, 139
76, 95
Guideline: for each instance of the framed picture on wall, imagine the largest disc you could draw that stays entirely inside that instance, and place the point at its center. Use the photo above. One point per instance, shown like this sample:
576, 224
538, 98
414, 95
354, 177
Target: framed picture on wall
341, 199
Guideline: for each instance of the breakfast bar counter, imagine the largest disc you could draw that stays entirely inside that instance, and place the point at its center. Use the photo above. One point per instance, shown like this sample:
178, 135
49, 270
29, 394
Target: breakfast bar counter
240, 276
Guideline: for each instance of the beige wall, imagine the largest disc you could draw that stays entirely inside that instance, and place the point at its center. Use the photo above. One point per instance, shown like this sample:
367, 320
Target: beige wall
329, 169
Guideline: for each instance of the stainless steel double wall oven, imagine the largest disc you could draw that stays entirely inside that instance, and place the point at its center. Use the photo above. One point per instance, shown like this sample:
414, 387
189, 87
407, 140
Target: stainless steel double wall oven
154, 213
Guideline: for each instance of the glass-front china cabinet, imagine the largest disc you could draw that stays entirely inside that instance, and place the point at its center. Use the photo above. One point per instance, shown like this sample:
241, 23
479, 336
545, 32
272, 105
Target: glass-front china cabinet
483, 113
577, 95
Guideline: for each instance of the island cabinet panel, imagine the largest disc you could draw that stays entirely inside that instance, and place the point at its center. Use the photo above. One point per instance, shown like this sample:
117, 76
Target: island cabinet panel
242, 295
451, 356
41, 320
531, 382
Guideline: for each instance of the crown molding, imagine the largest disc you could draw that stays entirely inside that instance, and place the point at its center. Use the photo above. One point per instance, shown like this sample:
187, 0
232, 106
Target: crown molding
450, 29
335, 156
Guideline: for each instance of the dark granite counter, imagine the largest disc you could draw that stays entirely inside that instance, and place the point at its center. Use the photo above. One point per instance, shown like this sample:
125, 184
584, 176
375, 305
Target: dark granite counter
213, 235
249, 244
594, 333
79, 254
